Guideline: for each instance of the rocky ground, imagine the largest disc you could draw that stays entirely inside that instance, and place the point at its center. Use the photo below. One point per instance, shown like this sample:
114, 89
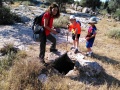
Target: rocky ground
21, 35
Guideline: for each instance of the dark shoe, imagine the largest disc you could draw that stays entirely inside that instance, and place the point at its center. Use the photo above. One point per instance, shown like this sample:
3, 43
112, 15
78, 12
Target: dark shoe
53, 50
76, 50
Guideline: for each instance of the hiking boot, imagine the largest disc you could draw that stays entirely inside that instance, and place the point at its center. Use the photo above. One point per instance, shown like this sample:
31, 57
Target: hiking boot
76, 50
53, 50
72, 48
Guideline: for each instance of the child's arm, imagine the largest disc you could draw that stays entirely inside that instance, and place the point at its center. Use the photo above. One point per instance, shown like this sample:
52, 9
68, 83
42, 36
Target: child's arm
89, 37
93, 35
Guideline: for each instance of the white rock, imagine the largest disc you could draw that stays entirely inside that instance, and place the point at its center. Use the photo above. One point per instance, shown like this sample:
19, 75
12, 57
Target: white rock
90, 68
73, 73
43, 78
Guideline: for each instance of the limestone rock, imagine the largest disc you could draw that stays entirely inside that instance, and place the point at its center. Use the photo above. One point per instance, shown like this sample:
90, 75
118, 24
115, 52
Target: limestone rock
43, 78
90, 68
73, 74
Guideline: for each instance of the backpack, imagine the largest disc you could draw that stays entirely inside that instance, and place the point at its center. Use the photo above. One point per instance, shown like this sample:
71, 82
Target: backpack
78, 22
37, 29
36, 24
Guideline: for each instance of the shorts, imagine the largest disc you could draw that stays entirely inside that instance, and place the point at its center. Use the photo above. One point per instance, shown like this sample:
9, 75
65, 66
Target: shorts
89, 44
73, 36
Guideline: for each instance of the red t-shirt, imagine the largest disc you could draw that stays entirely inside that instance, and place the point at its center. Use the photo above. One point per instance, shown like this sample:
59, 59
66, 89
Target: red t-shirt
73, 27
50, 22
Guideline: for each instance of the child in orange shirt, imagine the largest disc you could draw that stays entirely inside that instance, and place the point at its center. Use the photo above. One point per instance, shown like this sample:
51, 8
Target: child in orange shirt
75, 28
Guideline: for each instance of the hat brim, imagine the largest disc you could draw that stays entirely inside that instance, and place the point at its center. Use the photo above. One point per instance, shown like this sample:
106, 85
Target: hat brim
92, 22
72, 18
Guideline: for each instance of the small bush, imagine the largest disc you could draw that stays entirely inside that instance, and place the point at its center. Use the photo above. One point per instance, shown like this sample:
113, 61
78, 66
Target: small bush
43, 6
117, 14
103, 12
6, 17
62, 21
115, 33
27, 3
10, 55
63, 9
8, 49
7, 62
21, 54
24, 75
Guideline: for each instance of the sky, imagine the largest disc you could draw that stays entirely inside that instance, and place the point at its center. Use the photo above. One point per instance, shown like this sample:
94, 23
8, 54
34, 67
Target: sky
100, 0
103, 0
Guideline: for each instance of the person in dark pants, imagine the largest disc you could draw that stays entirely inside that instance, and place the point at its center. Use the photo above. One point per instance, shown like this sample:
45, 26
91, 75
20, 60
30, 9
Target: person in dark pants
47, 22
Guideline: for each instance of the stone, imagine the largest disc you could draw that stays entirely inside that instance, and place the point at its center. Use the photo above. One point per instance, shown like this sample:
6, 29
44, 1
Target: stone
73, 74
88, 67
43, 78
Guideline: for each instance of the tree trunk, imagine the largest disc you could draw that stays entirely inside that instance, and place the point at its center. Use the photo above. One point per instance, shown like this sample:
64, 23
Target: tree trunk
59, 4
0, 3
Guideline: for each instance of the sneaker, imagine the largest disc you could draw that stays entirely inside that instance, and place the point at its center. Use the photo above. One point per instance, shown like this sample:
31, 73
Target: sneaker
76, 50
53, 50
72, 48
91, 54
87, 54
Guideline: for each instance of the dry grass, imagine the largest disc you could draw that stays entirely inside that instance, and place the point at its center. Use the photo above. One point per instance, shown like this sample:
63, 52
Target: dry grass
16, 4
23, 74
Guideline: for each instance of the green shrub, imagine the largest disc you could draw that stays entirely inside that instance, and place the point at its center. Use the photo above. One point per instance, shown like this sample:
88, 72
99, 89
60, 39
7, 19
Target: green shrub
115, 33
62, 21
8, 48
27, 3
10, 55
117, 14
43, 6
104, 12
63, 9
6, 17
7, 61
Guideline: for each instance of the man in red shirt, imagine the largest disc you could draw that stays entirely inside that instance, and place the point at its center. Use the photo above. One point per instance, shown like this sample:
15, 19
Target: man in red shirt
47, 22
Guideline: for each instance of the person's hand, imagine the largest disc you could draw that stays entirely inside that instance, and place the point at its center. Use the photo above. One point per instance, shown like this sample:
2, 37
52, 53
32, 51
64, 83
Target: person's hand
87, 38
54, 32
68, 25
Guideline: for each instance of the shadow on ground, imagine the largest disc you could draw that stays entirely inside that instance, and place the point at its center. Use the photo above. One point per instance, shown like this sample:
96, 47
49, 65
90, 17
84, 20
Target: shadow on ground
105, 59
18, 32
85, 15
102, 79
